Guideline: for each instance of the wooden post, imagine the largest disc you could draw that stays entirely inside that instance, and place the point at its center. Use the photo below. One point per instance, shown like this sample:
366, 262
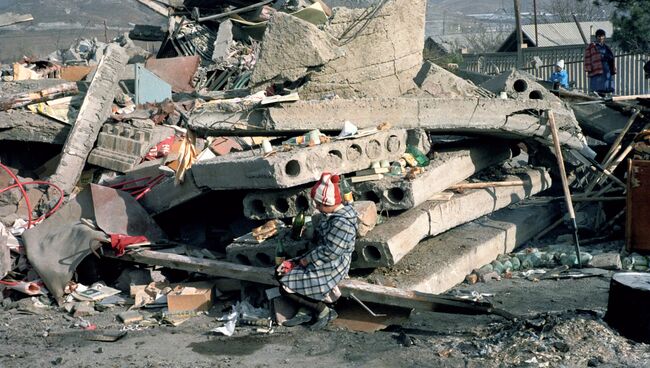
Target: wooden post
535, 20
520, 38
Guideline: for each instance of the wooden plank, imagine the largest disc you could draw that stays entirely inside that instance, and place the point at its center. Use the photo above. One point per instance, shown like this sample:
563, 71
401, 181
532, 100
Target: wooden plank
488, 184
360, 289
637, 226
206, 266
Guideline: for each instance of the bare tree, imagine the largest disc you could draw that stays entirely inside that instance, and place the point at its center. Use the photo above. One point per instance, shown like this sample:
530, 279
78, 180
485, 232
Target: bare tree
585, 10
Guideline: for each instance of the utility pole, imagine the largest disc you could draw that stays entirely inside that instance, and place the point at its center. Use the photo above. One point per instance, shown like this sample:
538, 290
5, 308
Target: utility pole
535, 20
520, 39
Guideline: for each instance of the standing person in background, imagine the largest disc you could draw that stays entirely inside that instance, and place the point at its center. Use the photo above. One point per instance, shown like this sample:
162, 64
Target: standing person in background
600, 66
309, 280
560, 76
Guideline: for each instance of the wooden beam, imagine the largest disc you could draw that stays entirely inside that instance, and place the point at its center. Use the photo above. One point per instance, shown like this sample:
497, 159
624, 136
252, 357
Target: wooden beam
27, 98
488, 184
360, 289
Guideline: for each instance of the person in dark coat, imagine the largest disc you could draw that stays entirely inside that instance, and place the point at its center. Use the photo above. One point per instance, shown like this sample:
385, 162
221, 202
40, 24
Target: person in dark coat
600, 65
314, 276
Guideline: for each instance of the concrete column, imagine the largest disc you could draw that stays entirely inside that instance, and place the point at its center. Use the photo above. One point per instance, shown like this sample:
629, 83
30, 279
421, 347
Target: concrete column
94, 111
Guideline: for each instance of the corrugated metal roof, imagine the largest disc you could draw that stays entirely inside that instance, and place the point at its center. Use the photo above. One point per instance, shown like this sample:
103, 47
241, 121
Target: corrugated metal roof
561, 34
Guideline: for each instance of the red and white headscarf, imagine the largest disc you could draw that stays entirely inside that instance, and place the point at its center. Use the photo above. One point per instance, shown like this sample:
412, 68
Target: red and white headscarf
326, 190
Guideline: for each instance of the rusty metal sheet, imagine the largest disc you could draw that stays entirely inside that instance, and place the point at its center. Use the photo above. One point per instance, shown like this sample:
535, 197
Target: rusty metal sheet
117, 212
177, 71
638, 206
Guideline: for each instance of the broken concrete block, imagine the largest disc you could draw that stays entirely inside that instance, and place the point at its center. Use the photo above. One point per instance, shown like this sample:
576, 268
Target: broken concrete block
121, 146
92, 115
519, 85
223, 41
439, 82
382, 55
419, 139
439, 263
607, 261
290, 48
449, 167
83, 309
367, 218
392, 240
243, 170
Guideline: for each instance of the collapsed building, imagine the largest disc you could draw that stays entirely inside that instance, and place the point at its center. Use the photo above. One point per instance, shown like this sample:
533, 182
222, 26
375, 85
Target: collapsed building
229, 125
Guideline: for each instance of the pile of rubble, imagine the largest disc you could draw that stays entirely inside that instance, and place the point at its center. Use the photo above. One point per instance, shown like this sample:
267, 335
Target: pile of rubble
248, 106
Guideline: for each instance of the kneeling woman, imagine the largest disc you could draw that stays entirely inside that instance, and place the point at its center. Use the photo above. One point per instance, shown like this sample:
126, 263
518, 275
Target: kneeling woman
317, 274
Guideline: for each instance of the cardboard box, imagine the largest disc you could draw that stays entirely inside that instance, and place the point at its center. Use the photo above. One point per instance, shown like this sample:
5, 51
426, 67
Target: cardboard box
196, 296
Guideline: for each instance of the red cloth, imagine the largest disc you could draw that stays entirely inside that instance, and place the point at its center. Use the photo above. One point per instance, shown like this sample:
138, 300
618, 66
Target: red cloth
120, 241
594, 62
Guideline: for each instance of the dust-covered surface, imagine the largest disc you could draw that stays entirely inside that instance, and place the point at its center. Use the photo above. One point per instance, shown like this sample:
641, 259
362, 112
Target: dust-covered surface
563, 328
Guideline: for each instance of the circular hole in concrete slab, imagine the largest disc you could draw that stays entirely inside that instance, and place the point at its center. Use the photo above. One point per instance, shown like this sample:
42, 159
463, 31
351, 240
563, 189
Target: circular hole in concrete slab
264, 259
393, 143
302, 203
257, 206
242, 259
292, 168
336, 153
520, 85
536, 95
354, 152
373, 149
395, 195
370, 196
281, 205
371, 253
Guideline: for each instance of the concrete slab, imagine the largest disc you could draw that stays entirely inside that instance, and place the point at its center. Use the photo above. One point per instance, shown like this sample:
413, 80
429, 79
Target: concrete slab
246, 170
25, 126
496, 117
439, 82
392, 240
92, 115
449, 167
439, 263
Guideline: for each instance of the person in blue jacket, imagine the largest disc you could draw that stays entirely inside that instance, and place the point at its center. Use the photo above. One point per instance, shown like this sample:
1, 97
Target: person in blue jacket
560, 76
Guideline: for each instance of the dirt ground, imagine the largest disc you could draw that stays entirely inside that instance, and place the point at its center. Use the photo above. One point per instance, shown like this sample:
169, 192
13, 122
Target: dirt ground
563, 327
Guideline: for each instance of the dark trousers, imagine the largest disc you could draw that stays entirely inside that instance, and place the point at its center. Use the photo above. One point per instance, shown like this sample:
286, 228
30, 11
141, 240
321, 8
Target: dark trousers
305, 301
